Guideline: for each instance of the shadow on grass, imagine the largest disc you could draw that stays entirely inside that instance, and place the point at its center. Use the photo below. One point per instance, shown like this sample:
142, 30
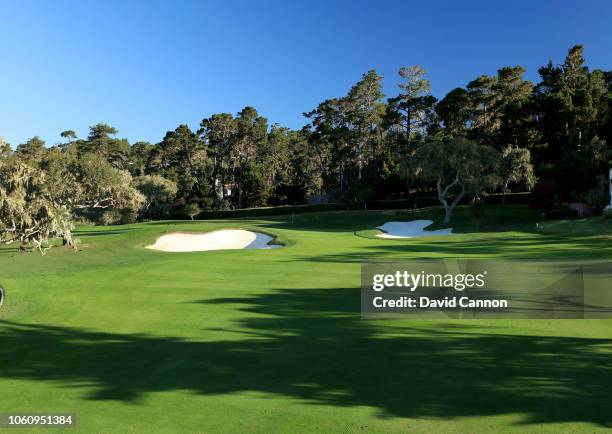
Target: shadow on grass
310, 344
239, 220
498, 219
527, 246
90, 233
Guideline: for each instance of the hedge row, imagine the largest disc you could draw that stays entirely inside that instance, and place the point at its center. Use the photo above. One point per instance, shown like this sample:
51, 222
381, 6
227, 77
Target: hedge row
270, 211
511, 199
426, 201
414, 202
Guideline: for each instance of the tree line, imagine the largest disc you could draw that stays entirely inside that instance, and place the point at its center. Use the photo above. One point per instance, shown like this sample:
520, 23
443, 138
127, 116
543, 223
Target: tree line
498, 133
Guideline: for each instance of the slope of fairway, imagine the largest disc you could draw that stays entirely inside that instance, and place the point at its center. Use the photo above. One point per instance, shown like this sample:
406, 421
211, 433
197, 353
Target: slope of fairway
134, 340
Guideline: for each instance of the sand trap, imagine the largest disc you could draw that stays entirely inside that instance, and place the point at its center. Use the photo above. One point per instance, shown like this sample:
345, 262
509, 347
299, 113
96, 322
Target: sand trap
410, 229
227, 239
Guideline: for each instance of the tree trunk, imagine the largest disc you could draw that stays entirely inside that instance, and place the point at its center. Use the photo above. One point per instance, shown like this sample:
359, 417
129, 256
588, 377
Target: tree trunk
504, 193
239, 184
449, 208
448, 214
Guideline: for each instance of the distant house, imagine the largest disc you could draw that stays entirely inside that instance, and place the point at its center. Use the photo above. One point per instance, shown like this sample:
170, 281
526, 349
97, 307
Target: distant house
224, 190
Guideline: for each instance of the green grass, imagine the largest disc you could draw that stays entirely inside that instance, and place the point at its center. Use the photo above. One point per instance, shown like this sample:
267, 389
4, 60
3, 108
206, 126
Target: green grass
134, 340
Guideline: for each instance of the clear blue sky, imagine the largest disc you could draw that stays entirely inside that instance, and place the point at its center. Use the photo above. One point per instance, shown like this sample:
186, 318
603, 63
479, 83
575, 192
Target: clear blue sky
147, 66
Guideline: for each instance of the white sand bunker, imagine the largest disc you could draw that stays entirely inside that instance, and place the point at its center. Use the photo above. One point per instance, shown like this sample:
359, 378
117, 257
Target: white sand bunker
219, 240
410, 229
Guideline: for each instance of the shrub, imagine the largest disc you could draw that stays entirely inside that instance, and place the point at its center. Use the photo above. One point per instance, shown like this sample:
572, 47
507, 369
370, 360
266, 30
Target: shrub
365, 194
478, 210
109, 217
600, 195
561, 212
271, 211
191, 210
544, 195
128, 216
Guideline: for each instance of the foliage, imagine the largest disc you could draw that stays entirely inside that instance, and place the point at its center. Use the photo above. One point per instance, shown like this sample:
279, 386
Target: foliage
32, 150
499, 133
29, 215
157, 191
89, 182
284, 332
516, 167
191, 210
182, 158
600, 195
109, 217
410, 113
39, 198
458, 166
100, 143
561, 212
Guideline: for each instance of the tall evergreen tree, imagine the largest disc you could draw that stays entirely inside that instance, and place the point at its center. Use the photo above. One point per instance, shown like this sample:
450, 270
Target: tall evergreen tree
33, 150
100, 142
410, 113
181, 157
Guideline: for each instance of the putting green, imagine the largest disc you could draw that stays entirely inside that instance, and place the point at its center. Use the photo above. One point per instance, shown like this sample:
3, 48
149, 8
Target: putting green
135, 340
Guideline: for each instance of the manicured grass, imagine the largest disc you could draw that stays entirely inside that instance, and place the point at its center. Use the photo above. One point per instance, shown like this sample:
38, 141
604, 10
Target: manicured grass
134, 340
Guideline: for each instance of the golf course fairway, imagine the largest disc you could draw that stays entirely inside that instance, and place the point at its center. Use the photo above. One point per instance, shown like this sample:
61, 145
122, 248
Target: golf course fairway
272, 340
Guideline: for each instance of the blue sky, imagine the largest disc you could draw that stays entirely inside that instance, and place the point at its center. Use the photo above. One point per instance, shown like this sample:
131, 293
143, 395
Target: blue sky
147, 66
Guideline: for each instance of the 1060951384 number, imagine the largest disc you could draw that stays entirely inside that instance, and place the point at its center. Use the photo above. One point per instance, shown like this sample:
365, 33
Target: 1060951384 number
65, 420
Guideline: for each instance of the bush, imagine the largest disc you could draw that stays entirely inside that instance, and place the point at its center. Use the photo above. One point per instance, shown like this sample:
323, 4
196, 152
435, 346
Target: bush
427, 201
561, 212
191, 210
270, 211
545, 195
365, 194
600, 195
81, 220
128, 216
523, 198
478, 210
109, 217
416, 202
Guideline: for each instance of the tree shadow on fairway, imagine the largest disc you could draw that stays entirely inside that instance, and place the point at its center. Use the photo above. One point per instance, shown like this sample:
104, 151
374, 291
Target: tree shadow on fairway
103, 232
498, 219
310, 344
536, 246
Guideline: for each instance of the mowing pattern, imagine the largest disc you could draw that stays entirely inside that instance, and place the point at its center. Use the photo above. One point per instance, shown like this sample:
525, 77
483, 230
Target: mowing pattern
131, 340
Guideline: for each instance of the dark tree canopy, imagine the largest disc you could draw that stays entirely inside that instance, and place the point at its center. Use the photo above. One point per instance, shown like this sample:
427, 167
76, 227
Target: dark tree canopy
498, 133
